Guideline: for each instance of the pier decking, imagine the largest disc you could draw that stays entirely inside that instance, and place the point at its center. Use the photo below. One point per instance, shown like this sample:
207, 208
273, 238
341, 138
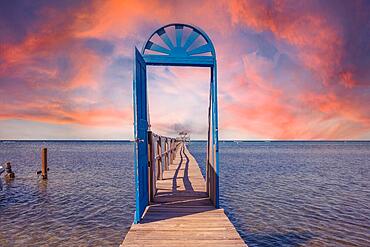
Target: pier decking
181, 213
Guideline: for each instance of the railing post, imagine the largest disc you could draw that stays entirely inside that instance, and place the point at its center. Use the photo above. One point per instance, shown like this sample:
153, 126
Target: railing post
151, 178
165, 154
171, 151
168, 153
174, 148
159, 159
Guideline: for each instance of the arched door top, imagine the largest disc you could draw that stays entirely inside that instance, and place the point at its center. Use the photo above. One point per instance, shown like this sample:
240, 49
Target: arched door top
179, 44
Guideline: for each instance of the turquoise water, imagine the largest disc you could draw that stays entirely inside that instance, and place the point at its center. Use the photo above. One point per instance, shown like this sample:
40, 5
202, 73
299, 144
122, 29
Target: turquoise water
276, 193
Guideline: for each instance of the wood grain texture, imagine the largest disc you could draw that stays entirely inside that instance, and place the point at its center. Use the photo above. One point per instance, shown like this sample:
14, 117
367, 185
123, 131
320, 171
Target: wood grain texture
181, 213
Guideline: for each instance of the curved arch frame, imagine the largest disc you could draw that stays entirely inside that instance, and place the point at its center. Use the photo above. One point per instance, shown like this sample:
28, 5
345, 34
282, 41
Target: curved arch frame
159, 31
178, 54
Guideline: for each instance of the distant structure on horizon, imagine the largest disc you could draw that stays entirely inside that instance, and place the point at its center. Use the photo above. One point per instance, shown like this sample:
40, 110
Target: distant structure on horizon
184, 136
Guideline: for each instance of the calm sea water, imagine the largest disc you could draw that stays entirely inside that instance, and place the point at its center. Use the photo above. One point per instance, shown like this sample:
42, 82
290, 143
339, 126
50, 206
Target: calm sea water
87, 201
296, 193
276, 193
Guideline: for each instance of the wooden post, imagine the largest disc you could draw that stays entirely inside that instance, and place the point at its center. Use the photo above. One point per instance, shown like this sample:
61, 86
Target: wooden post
172, 151
151, 181
165, 154
168, 153
44, 163
166, 165
9, 173
159, 160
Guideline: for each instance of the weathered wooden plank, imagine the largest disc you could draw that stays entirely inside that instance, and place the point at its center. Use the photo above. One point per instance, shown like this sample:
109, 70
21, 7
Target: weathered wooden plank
181, 213
198, 243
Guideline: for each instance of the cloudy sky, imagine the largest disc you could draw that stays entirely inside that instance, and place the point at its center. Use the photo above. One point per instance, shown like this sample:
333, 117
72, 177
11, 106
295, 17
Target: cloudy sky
286, 69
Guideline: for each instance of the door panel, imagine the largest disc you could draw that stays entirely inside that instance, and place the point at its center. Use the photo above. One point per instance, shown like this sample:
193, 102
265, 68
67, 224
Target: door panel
212, 145
141, 136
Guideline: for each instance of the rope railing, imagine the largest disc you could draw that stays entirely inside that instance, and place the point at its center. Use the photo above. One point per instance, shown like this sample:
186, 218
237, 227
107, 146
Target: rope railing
161, 153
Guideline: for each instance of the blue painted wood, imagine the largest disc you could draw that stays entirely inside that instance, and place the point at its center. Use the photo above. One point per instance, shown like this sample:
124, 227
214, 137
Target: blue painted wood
192, 37
200, 50
179, 54
141, 136
167, 40
215, 131
198, 61
158, 48
179, 31
182, 53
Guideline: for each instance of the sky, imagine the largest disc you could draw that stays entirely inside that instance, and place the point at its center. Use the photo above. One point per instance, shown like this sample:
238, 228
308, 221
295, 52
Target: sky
287, 70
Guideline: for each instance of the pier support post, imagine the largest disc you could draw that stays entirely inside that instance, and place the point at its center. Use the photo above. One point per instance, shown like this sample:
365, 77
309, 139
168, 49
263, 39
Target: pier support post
44, 163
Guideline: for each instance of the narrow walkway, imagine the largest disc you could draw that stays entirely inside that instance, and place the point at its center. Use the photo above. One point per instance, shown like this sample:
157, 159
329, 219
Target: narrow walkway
182, 214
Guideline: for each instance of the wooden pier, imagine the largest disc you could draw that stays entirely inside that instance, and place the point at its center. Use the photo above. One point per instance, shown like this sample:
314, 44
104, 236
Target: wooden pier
175, 205
181, 213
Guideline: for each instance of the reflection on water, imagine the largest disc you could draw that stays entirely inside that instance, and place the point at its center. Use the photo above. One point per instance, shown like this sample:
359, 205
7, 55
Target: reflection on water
43, 185
87, 200
276, 194
296, 193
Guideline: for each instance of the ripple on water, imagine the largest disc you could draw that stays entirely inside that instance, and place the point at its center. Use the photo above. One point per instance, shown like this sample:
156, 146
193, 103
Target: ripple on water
276, 194
87, 200
296, 193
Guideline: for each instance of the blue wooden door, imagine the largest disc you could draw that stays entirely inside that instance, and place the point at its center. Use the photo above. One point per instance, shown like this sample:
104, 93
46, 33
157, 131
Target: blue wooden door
141, 136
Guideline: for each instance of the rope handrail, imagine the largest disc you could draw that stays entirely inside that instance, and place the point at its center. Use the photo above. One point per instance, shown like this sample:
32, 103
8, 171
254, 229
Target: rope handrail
164, 137
162, 151
166, 152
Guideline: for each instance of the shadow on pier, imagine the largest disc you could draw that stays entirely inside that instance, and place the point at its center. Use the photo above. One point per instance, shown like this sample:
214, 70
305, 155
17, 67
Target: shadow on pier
181, 212
181, 192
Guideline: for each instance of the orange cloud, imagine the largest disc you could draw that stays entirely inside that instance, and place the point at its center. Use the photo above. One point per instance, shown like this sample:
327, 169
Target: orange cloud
254, 97
266, 110
334, 107
56, 113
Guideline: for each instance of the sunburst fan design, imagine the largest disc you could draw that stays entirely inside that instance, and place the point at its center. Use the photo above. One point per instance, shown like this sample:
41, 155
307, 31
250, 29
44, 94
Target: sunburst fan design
179, 40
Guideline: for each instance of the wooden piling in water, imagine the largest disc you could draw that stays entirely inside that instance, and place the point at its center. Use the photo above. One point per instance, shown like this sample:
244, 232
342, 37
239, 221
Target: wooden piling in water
9, 172
44, 163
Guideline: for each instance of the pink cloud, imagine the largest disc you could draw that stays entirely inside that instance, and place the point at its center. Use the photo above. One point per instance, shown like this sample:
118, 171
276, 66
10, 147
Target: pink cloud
270, 111
318, 97
56, 113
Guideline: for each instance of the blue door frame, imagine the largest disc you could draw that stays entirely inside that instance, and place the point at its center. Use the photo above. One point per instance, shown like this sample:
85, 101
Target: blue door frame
141, 136
186, 45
